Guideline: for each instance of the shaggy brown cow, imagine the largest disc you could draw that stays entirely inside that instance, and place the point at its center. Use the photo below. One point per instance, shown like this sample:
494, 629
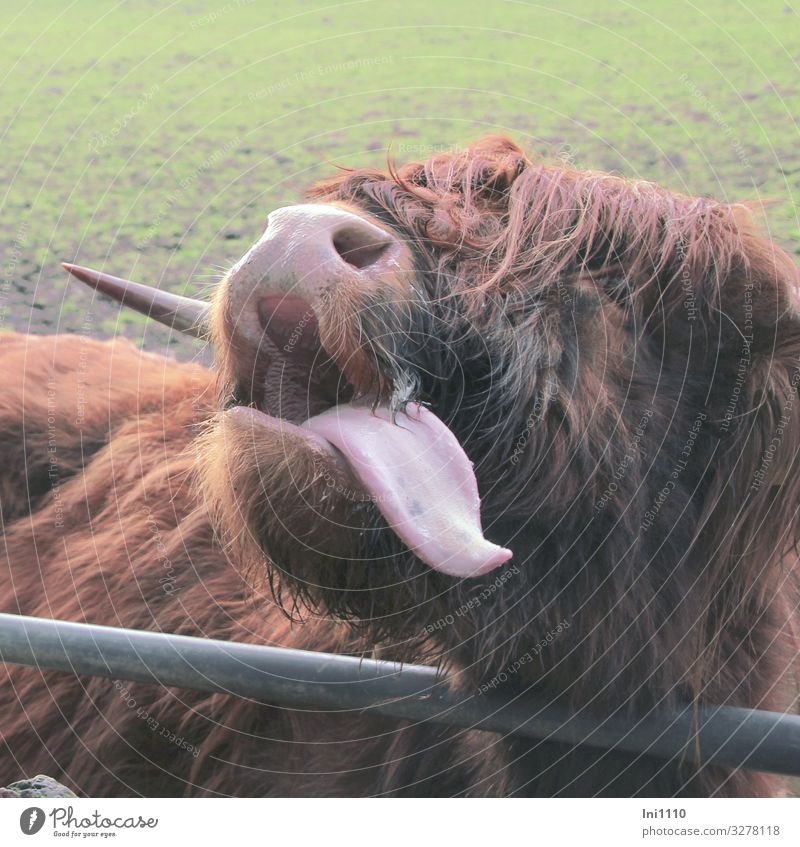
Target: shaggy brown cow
615, 368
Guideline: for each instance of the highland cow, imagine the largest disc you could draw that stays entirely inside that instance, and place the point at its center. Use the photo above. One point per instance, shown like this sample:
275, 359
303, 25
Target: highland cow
537, 425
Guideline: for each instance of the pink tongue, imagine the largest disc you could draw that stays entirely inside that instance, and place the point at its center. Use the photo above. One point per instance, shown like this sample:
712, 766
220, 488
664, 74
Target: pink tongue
422, 482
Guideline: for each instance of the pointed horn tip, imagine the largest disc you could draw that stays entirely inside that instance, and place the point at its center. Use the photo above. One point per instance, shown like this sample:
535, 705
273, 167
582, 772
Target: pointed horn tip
180, 313
79, 272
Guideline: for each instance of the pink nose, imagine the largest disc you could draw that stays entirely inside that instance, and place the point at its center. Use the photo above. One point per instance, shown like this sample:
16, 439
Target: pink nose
305, 252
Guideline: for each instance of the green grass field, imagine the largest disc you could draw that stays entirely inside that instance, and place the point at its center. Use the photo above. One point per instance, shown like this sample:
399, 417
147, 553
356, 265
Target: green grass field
151, 140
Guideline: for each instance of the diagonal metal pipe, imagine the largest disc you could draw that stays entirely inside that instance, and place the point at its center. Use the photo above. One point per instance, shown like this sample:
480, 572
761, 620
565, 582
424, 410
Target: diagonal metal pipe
720, 735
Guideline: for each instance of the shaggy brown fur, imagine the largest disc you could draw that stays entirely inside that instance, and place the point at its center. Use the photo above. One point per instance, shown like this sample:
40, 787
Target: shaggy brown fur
621, 365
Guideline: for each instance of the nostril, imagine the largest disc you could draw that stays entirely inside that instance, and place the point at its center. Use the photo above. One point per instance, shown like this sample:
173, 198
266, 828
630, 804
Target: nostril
360, 246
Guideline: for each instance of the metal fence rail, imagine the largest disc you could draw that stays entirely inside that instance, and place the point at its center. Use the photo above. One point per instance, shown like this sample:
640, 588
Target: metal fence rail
298, 679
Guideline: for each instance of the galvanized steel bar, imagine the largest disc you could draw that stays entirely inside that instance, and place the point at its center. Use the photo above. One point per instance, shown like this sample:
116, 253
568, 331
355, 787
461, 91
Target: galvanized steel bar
299, 679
